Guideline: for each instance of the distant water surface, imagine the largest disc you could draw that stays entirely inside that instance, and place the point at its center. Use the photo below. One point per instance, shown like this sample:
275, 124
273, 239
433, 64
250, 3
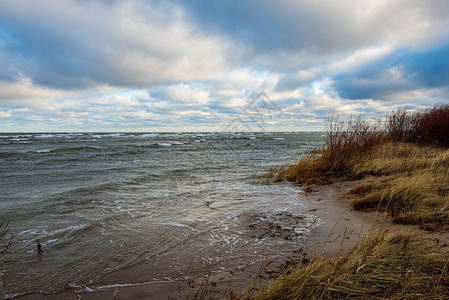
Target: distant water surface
107, 205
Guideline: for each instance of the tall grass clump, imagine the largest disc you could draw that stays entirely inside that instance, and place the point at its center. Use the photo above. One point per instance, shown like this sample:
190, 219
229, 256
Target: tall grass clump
385, 265
347, 143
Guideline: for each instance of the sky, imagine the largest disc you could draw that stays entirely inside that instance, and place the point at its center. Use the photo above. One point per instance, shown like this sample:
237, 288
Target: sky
180, 65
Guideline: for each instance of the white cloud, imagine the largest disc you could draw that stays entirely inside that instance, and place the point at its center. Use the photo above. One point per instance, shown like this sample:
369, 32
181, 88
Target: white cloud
190, 112
5, 114
235, 102
116, 99
25, 89
186, 93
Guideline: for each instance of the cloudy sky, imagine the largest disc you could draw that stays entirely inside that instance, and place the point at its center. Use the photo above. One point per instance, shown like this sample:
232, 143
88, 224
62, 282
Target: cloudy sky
142, 65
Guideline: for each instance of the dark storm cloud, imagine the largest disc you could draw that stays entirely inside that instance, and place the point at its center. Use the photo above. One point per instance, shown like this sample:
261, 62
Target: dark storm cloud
75, 44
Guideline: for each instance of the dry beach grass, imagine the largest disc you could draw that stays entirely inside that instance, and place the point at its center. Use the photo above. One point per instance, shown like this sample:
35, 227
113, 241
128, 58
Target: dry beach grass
387, 264
410, 157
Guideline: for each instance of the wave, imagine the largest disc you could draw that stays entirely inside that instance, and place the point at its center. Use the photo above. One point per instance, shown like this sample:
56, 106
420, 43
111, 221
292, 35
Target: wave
50, 135
47, 237
147, 135
169, 143
177, 225
18, 152
75, 149
44, 136
7, 154
44, 150
86, 289
164, 144
73, 195
113, 135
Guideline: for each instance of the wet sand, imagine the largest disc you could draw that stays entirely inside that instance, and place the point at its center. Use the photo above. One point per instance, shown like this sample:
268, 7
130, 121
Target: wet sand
338, 229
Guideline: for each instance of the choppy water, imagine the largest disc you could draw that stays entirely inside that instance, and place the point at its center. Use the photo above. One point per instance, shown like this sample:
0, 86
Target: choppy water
116, 205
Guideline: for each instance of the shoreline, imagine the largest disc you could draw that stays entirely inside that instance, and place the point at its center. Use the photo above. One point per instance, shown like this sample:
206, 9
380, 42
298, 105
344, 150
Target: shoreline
340, 228
344, 227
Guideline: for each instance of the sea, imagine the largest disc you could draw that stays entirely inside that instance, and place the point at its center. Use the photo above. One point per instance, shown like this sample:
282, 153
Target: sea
143, 208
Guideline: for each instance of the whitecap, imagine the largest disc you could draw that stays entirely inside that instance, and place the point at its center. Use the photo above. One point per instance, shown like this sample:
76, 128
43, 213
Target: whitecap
43, 150
164, 144
44, 136
148, 135
116, 135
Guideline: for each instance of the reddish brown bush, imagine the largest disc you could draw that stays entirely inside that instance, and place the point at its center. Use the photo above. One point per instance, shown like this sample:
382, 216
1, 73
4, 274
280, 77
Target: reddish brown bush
433, 126
423, 127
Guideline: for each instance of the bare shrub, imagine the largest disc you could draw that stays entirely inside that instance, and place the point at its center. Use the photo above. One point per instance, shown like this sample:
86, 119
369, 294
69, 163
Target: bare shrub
402, 125
433, 126
348, 142
6, 239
